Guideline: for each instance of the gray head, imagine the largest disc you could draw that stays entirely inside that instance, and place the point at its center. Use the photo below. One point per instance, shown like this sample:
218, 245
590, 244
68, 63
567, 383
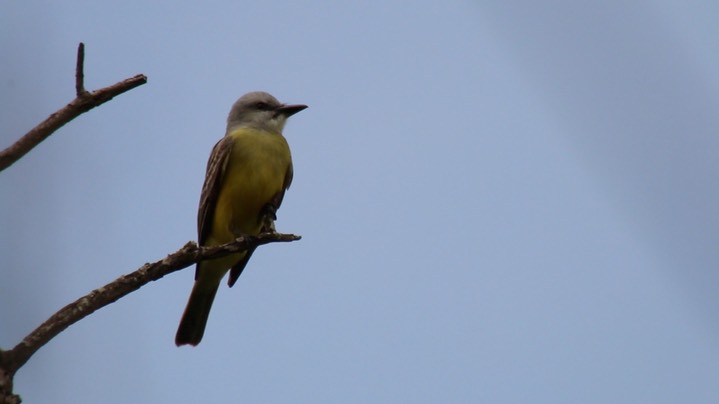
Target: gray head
261, 110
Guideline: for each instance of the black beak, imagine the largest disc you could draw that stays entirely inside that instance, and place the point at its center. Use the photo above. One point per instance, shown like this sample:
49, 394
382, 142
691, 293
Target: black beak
289, 110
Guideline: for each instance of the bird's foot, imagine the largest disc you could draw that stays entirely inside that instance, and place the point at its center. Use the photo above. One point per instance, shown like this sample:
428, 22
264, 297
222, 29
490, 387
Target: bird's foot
267, 218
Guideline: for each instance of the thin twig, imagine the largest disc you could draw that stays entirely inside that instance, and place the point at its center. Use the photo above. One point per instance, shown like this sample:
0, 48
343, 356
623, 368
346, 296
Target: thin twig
80, 71
84, 102
189, 254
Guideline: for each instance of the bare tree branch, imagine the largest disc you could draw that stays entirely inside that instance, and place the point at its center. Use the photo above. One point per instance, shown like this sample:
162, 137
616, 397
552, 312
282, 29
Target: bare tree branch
189, 254
83, 102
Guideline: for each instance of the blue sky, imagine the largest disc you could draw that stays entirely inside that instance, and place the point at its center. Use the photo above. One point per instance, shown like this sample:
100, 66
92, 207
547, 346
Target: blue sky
500, 202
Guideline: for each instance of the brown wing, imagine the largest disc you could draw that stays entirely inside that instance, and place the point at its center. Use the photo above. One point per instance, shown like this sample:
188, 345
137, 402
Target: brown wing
211, 189
273, 205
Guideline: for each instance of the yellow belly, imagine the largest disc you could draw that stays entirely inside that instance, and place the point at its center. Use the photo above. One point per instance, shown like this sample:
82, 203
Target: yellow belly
254, 174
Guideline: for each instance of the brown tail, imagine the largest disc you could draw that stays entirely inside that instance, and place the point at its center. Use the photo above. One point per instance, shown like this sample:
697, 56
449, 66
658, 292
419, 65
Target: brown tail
194, 320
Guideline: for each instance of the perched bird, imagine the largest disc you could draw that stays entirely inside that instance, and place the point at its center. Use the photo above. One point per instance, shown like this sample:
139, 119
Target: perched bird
247, 175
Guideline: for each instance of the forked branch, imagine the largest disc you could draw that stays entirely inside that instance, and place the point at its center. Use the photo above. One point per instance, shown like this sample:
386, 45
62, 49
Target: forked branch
83, 102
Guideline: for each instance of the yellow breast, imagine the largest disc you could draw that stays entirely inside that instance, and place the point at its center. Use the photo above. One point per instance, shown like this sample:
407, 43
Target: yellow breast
254, 173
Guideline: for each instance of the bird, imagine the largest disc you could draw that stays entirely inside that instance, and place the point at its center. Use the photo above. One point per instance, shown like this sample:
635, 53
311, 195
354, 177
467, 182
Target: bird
247, 175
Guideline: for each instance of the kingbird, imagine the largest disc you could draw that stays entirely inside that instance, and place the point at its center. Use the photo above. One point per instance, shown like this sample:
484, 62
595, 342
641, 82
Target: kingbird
247, 175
